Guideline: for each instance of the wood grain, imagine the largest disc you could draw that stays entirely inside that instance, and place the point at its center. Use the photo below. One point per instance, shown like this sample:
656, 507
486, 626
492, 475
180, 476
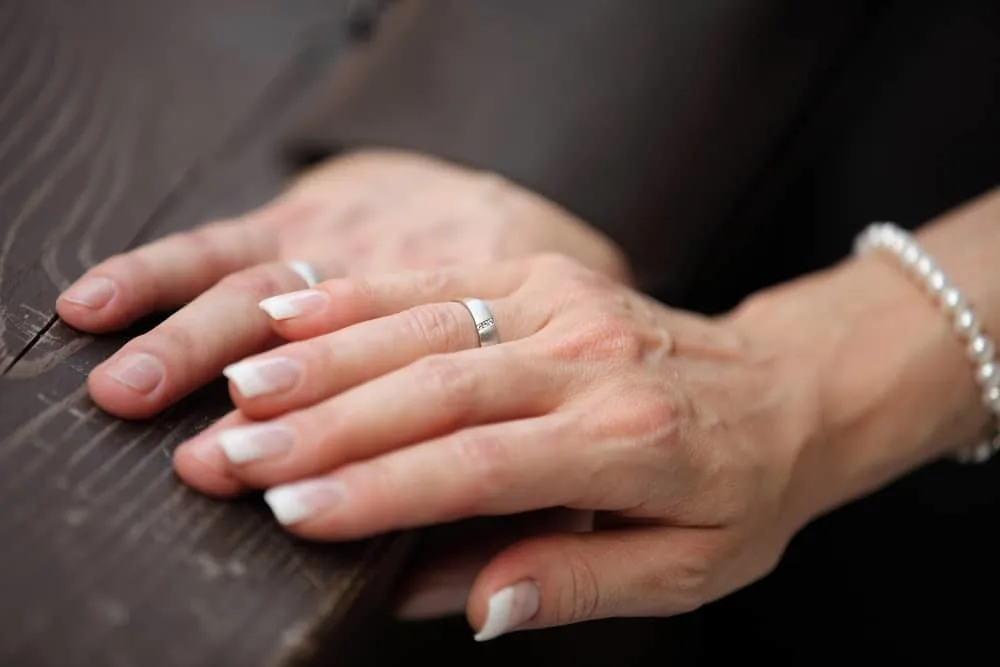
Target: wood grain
122, 121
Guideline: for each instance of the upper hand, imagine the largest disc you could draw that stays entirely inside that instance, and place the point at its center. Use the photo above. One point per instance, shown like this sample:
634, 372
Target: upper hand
683, 433
356, 215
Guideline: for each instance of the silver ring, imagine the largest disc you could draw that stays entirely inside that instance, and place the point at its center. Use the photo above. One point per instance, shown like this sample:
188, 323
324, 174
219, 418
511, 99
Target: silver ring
305, 271
482, 316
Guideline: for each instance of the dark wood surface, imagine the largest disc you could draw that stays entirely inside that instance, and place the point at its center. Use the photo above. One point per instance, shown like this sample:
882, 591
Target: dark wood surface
121, 121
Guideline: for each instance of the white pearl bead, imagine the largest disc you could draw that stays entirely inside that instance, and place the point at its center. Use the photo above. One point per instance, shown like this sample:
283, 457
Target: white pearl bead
951, 299
894, 242
991, 398
911, 256
981, 349
965, 323
925, 267
988, 374
936, 282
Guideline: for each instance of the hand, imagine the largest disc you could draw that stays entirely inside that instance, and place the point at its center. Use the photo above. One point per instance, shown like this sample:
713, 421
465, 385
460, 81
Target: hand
367, 213
684, 433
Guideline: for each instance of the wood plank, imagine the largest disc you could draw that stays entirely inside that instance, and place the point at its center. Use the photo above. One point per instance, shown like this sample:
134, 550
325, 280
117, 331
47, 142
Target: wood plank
106, 107
104, 557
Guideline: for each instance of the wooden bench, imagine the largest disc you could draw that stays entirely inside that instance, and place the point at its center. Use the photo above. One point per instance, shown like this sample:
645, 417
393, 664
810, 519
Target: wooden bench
122, 121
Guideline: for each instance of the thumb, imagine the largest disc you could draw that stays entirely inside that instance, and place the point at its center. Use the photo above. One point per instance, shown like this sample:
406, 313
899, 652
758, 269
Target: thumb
568, 578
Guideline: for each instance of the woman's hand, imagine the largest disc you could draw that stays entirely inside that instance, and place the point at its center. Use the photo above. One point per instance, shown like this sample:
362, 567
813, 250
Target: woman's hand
357, 215
684, 434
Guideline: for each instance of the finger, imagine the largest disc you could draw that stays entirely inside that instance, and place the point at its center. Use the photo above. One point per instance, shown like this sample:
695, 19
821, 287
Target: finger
490, 470
207, 470
427, 399
338, 303
192, 346
301, 374
163, 274
563, 579
450, 557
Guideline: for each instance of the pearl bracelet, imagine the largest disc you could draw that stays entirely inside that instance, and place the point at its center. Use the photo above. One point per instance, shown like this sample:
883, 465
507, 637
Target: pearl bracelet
921, 267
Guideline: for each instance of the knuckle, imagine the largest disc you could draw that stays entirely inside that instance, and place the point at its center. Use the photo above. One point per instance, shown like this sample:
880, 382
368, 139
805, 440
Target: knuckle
131, 264
485, 460
202, 242
256, 282
357, 293
653, 413
687, 585
652, 426
439, 375
438, 281
643, 415
583, 598
603, 336
170, 339
436, 326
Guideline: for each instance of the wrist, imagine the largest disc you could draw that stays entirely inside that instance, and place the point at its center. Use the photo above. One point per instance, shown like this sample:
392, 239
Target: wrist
894, 389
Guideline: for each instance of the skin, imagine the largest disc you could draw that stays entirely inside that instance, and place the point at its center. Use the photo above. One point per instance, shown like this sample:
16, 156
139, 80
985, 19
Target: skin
366, 213
693, 448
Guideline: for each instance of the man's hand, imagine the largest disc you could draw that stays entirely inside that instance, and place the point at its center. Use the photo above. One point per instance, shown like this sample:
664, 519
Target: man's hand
362, 214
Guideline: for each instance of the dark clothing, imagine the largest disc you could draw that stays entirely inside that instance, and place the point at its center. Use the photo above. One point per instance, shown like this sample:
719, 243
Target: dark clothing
728, 145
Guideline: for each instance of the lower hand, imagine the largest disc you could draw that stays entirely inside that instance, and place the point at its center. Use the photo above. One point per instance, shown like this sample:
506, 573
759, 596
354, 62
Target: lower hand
362, 214
684, 434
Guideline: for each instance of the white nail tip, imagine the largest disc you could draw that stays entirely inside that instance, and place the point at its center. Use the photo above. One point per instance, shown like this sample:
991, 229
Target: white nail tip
238, 448
262, 376
248, 379
254, 442
305, 271
279, 308
287, 505
508, 608
293, 304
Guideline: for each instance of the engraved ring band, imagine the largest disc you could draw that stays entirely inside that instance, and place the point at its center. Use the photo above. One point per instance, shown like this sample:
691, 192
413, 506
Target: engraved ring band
482, 316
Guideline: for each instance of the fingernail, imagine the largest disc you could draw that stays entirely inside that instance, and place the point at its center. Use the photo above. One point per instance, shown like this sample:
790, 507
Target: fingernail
209, 453
434, 603
138, 371
293, 304
256, 377
256, 442
91, 292
305, 271
509, 608
293, 503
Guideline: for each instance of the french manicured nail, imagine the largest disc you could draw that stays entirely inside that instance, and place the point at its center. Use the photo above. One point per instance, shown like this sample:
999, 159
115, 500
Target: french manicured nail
91, 292
296, 502
138, 371
293, 304
208, 451
257, 377
509, 608
305, 271
255, 442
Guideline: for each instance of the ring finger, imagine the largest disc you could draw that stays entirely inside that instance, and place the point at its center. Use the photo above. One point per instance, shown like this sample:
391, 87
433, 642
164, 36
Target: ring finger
303, 373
